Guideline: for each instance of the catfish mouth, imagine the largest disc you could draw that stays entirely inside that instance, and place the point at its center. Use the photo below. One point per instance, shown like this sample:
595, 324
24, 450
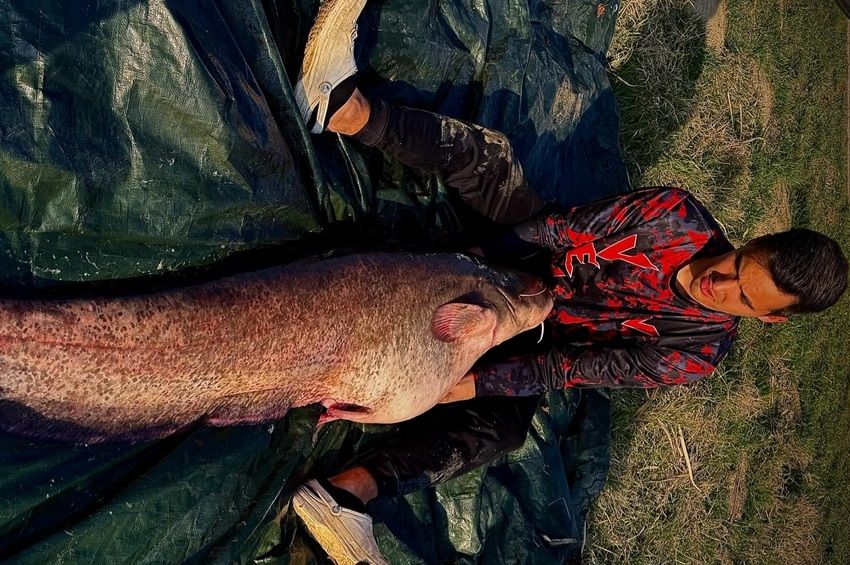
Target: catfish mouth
531, 301
532, 289
535, 288
524, 285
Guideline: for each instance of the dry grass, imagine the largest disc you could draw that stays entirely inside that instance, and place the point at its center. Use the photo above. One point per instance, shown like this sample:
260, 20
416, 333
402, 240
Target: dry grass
798, 537
730, 117
720, 472
778, 202
738, 437
689, 120
633, 18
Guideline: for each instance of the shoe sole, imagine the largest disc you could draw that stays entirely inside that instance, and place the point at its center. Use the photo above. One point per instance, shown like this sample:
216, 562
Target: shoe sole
339, 544
320, 54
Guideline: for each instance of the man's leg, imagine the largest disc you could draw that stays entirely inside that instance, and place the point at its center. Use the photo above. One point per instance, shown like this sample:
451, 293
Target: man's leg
444, 443
478, 162
448, 441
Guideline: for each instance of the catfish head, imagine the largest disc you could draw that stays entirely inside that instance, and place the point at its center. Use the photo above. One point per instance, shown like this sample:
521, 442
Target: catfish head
502, 304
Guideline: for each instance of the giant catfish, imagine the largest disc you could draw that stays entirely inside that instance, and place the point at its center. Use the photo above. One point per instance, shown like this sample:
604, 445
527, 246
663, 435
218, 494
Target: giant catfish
375, 338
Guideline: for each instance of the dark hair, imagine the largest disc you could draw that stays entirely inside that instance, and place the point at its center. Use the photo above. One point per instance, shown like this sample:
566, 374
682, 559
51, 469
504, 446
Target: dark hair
804, 263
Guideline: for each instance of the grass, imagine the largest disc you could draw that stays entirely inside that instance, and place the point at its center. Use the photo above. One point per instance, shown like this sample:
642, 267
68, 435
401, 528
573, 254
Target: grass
753, 464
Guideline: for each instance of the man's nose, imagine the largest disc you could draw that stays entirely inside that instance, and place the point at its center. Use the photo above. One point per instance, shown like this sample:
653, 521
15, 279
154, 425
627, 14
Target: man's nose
723, 282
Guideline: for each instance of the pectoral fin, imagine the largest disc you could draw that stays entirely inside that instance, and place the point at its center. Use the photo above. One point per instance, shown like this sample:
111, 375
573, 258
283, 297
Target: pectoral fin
336, 410
458, 320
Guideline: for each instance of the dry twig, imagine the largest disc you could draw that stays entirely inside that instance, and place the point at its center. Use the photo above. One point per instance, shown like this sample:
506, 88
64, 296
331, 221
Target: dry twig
687, 457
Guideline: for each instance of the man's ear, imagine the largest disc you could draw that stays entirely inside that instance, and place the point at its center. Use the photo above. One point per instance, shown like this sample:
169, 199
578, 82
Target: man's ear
773, 318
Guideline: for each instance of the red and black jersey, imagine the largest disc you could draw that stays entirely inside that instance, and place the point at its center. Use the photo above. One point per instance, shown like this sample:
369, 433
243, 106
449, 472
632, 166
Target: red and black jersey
619, 319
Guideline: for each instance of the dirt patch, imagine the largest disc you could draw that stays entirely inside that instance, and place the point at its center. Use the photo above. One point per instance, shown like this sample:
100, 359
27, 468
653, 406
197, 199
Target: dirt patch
783, 384
798, 537
715, 15
738, 489
777, 211
765, 95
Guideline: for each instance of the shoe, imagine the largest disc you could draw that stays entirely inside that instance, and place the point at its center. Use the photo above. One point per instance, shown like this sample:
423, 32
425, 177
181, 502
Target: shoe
328, 58
345, 535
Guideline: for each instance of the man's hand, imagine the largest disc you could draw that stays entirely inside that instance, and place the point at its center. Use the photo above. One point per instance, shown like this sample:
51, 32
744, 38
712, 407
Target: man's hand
463, 390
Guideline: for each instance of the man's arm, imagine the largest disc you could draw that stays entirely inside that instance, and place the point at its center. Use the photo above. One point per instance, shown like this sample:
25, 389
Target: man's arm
463, 390
582, 224
589, 366
556, 230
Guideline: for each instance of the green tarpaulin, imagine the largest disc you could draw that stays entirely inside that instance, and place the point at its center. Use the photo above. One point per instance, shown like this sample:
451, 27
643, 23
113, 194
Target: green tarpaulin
147, 143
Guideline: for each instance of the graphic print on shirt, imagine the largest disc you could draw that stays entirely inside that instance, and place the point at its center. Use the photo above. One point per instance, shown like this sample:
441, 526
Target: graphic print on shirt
642, 326
587, 254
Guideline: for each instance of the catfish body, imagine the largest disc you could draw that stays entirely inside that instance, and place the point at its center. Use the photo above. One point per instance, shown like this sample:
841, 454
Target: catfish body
375, 338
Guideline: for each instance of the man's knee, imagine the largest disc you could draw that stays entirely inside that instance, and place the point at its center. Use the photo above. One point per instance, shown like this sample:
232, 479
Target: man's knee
515, 437
496, 144
508, 421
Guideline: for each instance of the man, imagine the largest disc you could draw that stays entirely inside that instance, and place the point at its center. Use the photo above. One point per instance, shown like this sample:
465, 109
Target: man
648, 290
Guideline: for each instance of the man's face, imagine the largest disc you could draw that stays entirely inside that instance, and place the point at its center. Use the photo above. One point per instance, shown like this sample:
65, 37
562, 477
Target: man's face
736, 283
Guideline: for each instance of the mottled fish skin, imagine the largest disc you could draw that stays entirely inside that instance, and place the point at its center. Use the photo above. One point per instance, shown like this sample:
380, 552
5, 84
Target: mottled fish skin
354, 330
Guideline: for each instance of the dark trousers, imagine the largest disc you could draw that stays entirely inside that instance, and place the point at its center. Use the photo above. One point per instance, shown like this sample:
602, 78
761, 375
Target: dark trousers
479, 163
450, 440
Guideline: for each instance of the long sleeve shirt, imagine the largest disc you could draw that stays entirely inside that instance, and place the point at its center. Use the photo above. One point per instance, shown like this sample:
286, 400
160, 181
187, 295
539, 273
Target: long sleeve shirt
619, 319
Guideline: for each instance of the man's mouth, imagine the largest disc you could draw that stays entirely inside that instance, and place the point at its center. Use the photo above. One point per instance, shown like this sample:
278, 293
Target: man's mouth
705, 286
